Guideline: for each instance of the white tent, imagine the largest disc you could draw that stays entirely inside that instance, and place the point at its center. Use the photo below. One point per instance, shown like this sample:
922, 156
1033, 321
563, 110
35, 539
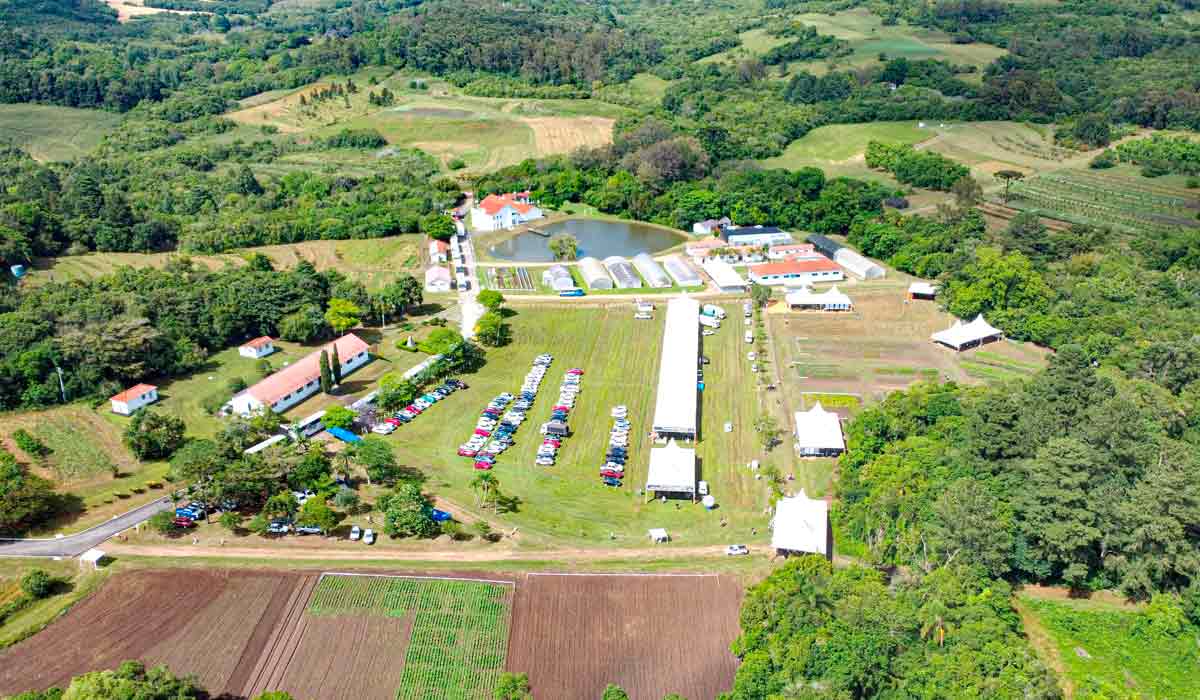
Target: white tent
819, 433
558, 278
594, 274
724, 276
801, 524
651, 271
672, 470
675, 406
923, 290
659, 534
92, 556
683, 273
829, 300
962, 336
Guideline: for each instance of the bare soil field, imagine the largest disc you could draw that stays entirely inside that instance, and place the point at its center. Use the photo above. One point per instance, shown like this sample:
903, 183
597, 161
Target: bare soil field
652, 635
201, 622
129, 9
553, 135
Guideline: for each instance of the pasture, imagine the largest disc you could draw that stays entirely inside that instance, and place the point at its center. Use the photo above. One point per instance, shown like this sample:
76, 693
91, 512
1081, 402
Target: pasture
55, 133
363, 637
839, 149
374, 262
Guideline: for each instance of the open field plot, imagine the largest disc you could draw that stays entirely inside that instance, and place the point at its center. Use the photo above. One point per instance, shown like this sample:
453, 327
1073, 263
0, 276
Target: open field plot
1099, 649
839, 149
511, 279
989, 147
86, 453
652, 635
882, 346
1106, 199
620, 357
200, 621
55, 133
374, 262
132, 9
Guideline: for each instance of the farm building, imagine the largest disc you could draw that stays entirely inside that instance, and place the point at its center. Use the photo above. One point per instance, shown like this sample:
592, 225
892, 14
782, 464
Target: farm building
296, 382
622, 271
755, 236
497, 212
964, 336
259, 347
439, 251
801, 526
819, 433
133, 398
702, 248
558, 278
793, 272
855, 264
437, 279
651, 271
675, 405
710, 226
725, 277
922, 290
792, 250
672, 472
594, 275
806, 299
683, 274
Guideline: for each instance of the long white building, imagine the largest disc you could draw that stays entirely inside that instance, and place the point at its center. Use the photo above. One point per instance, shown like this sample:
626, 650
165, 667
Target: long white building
301, 379
675, 406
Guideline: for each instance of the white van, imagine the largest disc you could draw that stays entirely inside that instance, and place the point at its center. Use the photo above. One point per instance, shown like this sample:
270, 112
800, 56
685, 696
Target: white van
709, 322
749, 337
713, 310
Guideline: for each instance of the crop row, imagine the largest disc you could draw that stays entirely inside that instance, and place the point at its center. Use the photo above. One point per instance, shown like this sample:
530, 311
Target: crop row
1102, 189
1054, 199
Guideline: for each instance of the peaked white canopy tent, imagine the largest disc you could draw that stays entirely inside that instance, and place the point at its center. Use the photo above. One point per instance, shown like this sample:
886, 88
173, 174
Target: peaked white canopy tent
963, 336
819, 433
831, 299
801, 525
672, 471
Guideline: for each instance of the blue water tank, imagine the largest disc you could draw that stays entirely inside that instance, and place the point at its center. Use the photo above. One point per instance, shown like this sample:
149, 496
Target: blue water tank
18, 271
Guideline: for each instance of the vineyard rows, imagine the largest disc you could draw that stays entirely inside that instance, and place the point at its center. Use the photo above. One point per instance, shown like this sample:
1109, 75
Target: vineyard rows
1080, 197
459, 637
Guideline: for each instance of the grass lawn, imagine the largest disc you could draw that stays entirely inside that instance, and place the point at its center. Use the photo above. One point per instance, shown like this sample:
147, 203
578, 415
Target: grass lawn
1101, 650
34, 617
86, 446
374, 262
567, 501
55, 133
838, 149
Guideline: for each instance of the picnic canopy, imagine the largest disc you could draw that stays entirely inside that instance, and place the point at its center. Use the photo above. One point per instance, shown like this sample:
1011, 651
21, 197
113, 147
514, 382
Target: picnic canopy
819, 432
658, 534
801, 524
672, 470
967, 335
92, 556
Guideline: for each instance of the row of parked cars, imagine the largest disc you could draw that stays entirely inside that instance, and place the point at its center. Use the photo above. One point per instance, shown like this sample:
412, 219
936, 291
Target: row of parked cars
568, 391
418, 406
504, 414
613, 470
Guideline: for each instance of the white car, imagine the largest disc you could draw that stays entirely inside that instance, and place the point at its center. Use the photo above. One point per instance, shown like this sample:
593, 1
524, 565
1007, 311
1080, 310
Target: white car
708, 332
355, 534
754, 367
383, 429
752, 356
544, 462
737, 550
369, 536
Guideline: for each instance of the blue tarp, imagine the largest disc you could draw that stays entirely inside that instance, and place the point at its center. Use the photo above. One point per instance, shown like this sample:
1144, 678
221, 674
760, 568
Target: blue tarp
344, 435
439, 516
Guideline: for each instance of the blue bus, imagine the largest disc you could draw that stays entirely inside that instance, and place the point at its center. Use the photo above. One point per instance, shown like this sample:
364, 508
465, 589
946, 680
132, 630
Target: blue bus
572, 292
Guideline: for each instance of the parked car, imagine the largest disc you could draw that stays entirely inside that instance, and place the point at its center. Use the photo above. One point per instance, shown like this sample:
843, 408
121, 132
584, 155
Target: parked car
707, 332
309, 530
467, 452
735, 550
355, 534
544, 461
610, 481
369, 536
184, 522
610, 473
383, 429
483, 466
279, 526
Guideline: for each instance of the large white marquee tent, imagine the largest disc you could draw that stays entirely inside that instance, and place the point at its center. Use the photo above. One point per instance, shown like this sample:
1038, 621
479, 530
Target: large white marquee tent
675, 406
962, 336
672, 471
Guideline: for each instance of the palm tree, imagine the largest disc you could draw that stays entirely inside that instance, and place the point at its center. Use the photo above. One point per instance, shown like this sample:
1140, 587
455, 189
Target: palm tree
935, 626
484, 484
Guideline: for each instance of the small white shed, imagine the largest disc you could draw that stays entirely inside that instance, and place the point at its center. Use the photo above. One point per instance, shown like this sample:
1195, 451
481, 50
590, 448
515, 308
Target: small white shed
129, 401
259, 347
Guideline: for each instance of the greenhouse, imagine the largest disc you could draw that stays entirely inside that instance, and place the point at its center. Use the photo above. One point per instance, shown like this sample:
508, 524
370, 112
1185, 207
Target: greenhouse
651, 271
622, 272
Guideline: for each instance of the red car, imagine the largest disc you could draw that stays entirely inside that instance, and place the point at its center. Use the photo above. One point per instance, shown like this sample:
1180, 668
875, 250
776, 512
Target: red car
464, 452
184, 522
560, 407
394, 421
575, 370
553, 442
483, 433
611, 473
483, 466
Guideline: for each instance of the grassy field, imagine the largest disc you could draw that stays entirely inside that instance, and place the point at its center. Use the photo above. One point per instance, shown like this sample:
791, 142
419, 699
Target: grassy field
87, 451
55, 133
373, 262
567, 501
485, 133
839, 149
1101, 650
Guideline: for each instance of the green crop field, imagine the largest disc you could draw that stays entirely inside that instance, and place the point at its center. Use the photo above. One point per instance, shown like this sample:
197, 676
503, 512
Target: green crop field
620, 357
1103, 199
55, 133
459, 637
1104, 651
838, 149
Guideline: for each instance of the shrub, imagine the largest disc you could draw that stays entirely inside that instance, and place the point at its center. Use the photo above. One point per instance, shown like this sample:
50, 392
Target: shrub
230, 520
213, 402
457, 164
37, 584
236, 385
1191, 183
1106, 159
29, 444
896, 202
121, 494
154, 484
163, 522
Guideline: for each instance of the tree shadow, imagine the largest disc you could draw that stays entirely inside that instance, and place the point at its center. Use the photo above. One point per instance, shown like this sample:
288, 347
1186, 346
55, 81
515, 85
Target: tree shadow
427, 309
508, 504
506, 312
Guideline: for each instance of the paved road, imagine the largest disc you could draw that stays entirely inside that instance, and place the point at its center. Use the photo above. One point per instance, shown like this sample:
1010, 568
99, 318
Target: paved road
468, 300
74, 545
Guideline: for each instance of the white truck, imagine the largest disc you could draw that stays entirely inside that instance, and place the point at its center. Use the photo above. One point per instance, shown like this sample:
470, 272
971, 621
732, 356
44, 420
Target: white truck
713, 310
749, 337
709, 322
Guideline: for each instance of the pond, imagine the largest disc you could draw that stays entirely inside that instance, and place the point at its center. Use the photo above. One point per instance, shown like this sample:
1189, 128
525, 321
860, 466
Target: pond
597, 238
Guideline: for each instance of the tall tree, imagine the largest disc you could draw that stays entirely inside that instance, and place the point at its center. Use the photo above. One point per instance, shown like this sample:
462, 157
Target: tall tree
326, 373
335, 366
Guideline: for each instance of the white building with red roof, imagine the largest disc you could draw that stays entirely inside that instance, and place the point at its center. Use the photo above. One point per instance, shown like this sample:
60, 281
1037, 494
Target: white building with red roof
133, 398
259, 347
439, 251
796, 272
301, 379
497, 212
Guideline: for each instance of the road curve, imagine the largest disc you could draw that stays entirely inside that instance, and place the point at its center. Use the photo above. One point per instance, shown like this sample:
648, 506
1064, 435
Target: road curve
74, 545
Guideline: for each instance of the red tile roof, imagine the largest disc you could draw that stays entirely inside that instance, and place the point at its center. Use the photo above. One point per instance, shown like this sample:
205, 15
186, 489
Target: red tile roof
258, 342
791, 248
132, 393
441, 246
304, 370
794, 267
707, 244
493, 203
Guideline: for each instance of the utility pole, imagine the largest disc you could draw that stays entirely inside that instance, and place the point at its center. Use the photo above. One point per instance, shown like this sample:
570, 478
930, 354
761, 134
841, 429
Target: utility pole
62, 389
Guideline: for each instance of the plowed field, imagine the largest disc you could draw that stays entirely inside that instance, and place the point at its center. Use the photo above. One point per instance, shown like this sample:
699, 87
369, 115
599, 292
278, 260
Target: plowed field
652, 635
